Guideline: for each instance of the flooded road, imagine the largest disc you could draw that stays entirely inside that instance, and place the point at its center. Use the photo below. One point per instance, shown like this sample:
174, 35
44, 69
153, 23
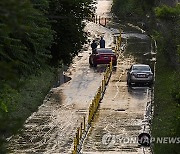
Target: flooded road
121, 116
122, 111
52, 128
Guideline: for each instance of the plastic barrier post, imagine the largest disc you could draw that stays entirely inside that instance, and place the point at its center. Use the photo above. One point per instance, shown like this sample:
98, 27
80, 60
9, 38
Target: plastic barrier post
105, 77
103, 85
90, 114
84, 123
97, 101
81, 127
100, 89
95, 106
111, 65
116, 50
99, 95
75, 145
77, 136
73, 152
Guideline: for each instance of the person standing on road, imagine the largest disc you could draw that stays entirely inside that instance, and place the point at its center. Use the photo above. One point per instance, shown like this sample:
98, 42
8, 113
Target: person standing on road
102, 43
94, 46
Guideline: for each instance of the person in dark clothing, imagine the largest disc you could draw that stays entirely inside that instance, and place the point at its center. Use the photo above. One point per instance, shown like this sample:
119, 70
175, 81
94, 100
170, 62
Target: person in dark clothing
94, 46
102, 43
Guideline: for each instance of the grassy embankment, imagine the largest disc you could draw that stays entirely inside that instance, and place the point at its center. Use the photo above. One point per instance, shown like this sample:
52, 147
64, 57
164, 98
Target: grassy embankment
25, 101
166, 121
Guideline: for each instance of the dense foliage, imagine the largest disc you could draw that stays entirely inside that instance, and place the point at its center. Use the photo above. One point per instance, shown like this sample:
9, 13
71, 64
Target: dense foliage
25, 36
68, 25
132, 8
169, 40
35, 37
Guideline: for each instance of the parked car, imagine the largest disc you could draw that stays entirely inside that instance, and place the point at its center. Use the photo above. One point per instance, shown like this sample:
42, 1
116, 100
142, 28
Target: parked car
102, 56
140, 73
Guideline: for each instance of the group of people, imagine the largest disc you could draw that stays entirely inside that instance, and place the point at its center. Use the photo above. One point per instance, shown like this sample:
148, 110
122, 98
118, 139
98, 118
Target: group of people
94, 44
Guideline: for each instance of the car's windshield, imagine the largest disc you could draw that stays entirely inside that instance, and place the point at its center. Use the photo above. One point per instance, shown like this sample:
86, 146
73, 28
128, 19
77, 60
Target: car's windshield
105, 51
141, 68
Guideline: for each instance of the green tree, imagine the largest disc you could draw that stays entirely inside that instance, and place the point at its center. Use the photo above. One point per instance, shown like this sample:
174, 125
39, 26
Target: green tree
25, 35
132, 8
67, 17
169, 30
25, 40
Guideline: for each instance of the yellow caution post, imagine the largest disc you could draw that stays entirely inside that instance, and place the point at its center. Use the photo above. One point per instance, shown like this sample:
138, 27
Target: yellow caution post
84, 123
103, 86
77, 135
75, 145
81, 130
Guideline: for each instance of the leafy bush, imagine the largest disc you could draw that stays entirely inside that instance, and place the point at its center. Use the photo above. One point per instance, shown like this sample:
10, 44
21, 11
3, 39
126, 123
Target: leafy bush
166, 12
25, 35
17, 105
170, 30
67, 23
32, 33
132, 8
175, 91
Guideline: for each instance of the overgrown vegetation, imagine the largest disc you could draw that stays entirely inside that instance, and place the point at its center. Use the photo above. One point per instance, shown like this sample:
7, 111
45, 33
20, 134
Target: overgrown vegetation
168, 38
167, 97
69, 27
163, 23
23, 101
36, 37
132, 9
166, 121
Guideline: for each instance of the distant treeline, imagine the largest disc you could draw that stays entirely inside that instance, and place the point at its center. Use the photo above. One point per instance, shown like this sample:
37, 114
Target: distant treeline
132, 9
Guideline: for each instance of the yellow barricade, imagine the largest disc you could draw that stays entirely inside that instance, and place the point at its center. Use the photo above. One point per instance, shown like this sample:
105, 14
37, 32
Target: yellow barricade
89, 117
75, 145
103, 86
110, 67
84, 123
77, 136
92, 108
81, 130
